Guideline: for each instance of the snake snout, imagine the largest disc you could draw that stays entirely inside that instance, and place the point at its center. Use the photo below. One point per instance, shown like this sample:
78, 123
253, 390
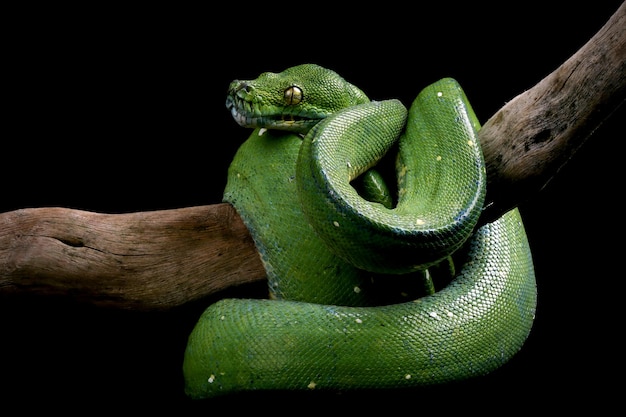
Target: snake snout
237, 89
238, 85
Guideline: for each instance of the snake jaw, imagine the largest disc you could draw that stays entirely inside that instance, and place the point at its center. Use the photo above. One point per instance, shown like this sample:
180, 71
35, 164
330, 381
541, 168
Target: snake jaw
243, 113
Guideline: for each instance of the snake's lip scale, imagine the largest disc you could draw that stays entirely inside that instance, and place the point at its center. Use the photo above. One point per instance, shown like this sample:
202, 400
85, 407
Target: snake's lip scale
268, 122
236, 106
279, 121
231, 106
239, 117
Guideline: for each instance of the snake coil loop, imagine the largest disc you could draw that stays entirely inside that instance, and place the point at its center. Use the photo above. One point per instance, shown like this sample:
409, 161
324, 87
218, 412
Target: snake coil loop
328, 248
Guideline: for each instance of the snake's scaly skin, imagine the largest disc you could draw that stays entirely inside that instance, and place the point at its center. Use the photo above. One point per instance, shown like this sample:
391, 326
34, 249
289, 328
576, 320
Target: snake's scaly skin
344, 312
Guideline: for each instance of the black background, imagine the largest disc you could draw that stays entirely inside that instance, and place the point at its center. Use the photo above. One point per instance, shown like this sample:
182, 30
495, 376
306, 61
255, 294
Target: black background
119, 110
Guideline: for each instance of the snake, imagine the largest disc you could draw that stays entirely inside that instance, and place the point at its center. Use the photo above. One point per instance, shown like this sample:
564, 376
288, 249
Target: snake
366, 216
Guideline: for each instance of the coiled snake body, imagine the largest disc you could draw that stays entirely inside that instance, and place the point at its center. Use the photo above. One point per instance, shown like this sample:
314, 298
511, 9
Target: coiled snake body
371, 285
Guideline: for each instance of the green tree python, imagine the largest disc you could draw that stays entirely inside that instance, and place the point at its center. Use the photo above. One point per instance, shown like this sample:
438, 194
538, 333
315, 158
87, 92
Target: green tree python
366, 218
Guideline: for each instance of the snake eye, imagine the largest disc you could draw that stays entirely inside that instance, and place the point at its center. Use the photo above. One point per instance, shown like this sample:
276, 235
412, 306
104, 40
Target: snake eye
292, 95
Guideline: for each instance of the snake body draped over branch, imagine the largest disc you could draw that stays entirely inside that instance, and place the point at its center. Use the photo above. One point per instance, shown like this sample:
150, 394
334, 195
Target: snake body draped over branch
366, 218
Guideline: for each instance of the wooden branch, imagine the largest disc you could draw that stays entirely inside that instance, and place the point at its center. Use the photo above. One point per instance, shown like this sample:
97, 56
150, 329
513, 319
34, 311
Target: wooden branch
529, 139
161, 259
145, 261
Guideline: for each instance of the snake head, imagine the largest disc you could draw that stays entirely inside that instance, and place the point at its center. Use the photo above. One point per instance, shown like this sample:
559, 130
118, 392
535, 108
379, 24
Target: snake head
294, 100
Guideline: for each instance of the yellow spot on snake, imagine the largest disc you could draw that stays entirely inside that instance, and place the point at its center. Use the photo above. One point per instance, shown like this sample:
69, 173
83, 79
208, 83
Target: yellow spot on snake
359, 321
336, 223
438, 157
211, 379
311, 385
439, 94
407, 376
419, 221
357, 289
470, 142
433, 315
262, 131
222, 317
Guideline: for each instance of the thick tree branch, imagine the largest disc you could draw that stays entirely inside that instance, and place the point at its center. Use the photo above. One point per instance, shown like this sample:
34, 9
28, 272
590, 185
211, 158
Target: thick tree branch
529, 139
161, 259
145, 261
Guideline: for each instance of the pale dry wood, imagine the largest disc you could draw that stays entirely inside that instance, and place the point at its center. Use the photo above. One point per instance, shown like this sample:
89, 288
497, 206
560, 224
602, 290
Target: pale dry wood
145, 261
161, 259
533, 136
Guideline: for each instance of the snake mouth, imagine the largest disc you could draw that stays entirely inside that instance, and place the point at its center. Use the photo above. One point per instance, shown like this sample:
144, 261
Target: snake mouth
279, 121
